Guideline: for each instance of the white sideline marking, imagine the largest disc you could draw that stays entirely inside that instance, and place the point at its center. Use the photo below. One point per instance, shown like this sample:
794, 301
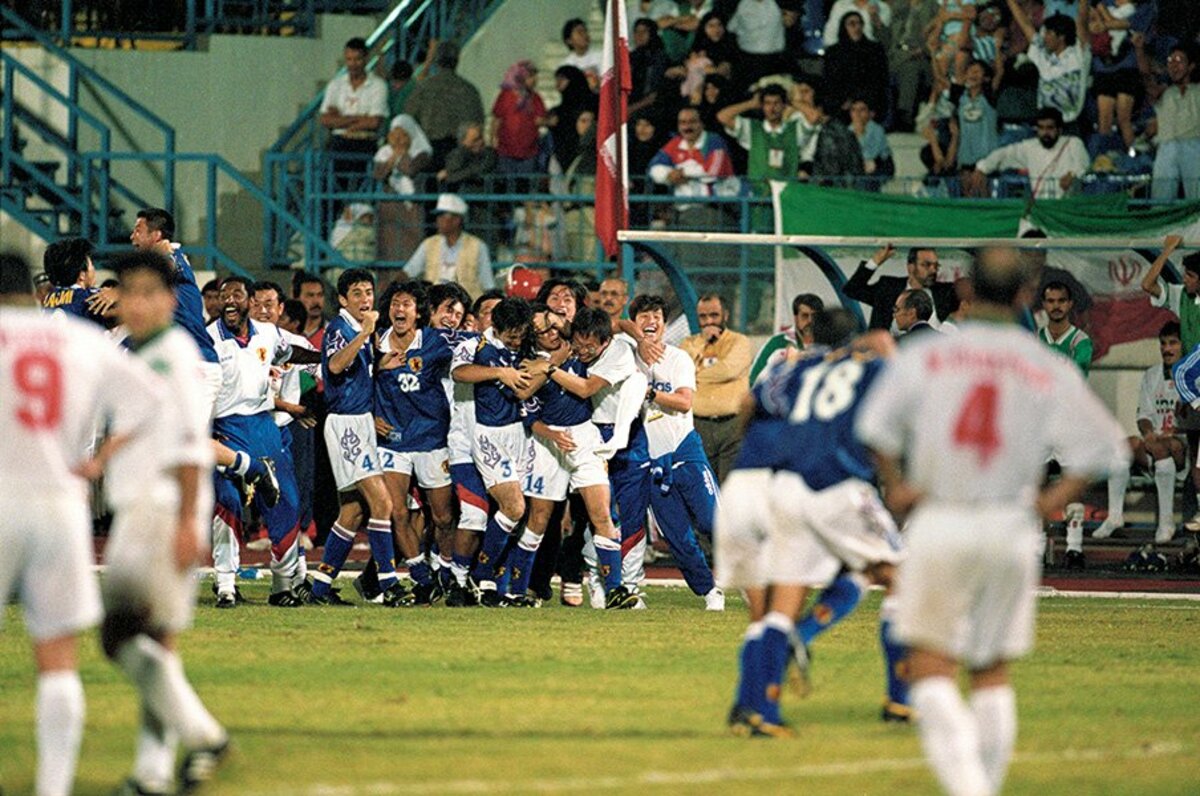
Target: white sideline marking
719, 775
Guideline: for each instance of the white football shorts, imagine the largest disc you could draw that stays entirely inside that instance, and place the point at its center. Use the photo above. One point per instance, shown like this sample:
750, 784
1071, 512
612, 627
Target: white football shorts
353, 456
743, 522
498, 452
432, 468
550, 472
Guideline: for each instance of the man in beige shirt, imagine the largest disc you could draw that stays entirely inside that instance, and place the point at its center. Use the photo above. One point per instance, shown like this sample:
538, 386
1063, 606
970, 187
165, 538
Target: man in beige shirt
1177, 128
722, 359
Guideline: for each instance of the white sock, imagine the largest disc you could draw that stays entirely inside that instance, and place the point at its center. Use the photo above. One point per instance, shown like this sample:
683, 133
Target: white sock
995, 712
1164, 485
949, 737
60, 711
1118, 485
1074, 517
154, 760
158, 675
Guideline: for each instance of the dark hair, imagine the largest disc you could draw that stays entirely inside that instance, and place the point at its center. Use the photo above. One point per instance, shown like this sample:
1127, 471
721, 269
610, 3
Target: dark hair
710, 296
439, 294
14, 275
65, 260
915, 251
774, 90
987, 68
1192, 263
356, 43
487, 295
413, 288
211, 286
1192, 53
999, 276
1057, 285
577, 290
268, 285
647, 303
511, 314
294, 309
158, 220
245, 282
301, 279
352, 276
810, 300
151, 262
1063, 25
920, 302
592, 322
447, 55
401, 70
835, 327
569, 27
1051, 113
1170, 329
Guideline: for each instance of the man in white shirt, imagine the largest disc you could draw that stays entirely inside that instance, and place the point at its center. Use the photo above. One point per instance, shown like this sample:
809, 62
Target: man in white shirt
453, 254
1052, 160
1061, 56
581, 55
758, 25
1177, 124
354, 109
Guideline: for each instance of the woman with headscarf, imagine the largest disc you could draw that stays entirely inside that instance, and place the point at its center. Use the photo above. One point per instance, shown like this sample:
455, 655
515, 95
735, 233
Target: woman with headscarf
580, 176
577, 97
647, 64
714, 51
516, 116
405, 155
647, 135
855, 67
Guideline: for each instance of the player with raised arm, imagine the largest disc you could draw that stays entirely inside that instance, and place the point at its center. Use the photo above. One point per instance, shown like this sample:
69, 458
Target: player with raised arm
55, 376
161, 492
974, 416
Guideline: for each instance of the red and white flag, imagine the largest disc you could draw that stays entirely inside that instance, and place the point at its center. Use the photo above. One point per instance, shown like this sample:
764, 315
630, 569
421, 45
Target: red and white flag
612, 203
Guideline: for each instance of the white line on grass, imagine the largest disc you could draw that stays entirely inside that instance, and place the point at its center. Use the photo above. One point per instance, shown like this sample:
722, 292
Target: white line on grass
718, 775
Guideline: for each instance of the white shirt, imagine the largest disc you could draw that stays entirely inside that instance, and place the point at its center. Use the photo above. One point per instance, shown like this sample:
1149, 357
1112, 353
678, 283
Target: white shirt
56, 375
976, 414
843, 7
285, 379
179, 435
1171, 296
758, 25
614, 366
1178, 114
743, 130
667, 428
590, 62
397, 180
246, 372
1157, 400
462, 405
1044, 166
369, 99
1062, 78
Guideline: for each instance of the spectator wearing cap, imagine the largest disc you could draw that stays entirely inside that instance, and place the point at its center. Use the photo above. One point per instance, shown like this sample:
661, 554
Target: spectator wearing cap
453, 255
353, 109
444, 101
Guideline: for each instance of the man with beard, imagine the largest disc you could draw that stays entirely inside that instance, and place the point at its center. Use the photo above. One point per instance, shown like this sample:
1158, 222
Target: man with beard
1059, 333
881, 294
1052, 160
244, 421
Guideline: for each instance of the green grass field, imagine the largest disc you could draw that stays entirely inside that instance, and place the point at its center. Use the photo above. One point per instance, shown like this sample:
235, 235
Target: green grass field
374, 701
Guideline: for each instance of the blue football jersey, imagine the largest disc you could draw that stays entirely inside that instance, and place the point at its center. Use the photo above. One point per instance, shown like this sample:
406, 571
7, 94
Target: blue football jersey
411, 399
555, 406
818, 398
73, 301
495, 404
189, 307
350, 392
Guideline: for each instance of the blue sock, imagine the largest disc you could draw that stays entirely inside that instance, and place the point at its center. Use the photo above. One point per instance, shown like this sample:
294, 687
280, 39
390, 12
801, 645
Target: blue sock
893, 659
495, 538
338, 545
383, 550
835, 604
246, 465
419, 570
520, 562
608, 556
774, 650
750, 688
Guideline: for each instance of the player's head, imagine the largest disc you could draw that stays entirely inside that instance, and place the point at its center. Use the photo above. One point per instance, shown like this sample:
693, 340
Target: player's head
614, 295
482, 309
563, 296
448, 303
16, 286
923, 267
405, 305
153, 227
356, 292
1057, 301
510, 321
145, 292
649, 315
292, 316
804, 307
1170, 343
591, 332
712, 312
266, 302
546, 329
1003, 280
835, 327
235, 302
69, 261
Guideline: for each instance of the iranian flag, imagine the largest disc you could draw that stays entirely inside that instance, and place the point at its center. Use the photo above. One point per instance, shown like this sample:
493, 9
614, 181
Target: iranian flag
612, 203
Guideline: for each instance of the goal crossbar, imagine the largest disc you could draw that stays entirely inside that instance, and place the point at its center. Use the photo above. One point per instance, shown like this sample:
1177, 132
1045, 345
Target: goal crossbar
862, 242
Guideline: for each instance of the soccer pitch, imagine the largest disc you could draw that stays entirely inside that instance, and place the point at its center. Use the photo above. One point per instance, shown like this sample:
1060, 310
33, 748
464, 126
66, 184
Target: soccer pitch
333, 701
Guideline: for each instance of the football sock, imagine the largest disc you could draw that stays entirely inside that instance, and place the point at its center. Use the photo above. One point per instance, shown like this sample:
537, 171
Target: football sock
301, 570
1118, 485
60, 710
750, 688
383, 550
608, 558
1074, 517
893, 655
776, 645
242, 463
445, 569
459, 567
495, 538
995, 712
419, 570
338, 545
949, 736
520, 562
1164, 485
833, 605
285, 562
154, 760
157, 673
